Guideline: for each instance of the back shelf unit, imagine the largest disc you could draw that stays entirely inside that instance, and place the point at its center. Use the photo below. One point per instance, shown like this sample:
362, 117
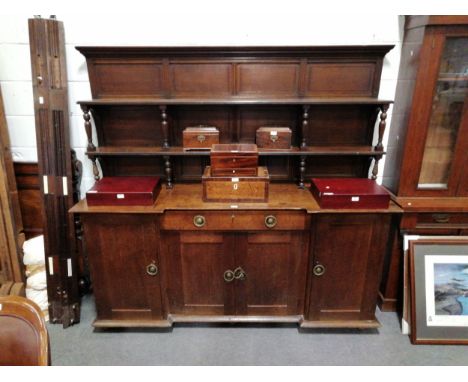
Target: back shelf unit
143, 98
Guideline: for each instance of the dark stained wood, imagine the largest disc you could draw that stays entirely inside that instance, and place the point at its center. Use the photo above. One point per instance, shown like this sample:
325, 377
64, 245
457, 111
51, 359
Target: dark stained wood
351, 249
29, 193
425, 40
123, 288
231, 260
275, 138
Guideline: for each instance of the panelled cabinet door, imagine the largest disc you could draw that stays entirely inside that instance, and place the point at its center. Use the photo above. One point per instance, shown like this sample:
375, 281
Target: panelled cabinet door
274, 266
201, 268
124, 264
346, 266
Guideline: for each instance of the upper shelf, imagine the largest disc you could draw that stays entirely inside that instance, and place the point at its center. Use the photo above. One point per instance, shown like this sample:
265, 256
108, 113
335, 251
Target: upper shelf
234, 101
179, 151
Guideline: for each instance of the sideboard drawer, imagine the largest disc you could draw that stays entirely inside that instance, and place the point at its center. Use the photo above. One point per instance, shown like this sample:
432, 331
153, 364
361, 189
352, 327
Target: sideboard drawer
449, 220
234, 220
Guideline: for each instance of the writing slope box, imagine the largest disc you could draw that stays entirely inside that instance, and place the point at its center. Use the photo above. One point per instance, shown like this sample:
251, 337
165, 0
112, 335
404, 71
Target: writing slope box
200, 137
274, 138
235, 159
236, 189
124, 191
353, 193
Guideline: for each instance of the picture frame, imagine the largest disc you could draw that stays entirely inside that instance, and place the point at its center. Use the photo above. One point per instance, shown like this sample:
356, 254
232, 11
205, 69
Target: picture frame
439, 291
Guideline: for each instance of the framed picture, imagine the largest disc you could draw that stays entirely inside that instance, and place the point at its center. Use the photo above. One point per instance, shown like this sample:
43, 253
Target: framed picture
439, 291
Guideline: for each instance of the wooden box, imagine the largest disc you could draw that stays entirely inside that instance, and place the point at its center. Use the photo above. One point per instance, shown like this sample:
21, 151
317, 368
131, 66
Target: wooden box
200, 137
351, 193
238, 159
274, 138
236, 189
124, 191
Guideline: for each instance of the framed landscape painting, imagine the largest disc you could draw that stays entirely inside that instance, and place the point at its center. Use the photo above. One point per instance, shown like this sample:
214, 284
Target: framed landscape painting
439, 291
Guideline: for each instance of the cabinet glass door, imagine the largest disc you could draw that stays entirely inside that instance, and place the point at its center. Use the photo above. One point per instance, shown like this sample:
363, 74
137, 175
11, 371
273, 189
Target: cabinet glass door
446, 115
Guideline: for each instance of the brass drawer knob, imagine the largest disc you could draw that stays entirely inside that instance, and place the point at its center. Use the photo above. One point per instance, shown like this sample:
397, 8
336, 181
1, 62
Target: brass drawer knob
199, 221
229, 276
319, 270
270, 221
152, 269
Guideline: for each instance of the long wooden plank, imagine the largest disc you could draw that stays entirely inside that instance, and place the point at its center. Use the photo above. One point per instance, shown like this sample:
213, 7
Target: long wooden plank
49, 78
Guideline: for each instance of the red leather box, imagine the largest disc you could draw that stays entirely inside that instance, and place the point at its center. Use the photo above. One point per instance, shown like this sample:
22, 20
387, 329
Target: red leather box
349, 193
124, 191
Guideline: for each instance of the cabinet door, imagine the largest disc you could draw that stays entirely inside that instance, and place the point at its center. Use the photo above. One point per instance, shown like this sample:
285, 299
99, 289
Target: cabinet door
350, 250
196, 263
120, 248
439, 125
275, 264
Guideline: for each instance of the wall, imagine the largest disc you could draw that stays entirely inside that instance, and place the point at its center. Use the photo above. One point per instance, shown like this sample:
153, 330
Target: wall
162, 29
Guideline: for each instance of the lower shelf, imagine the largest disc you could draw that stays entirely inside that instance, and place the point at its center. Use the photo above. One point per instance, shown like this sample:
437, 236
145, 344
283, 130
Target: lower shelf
351, 324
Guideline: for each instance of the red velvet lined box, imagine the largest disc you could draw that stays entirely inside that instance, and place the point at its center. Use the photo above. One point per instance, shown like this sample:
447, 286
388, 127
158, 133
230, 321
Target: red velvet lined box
349, 193
124, 191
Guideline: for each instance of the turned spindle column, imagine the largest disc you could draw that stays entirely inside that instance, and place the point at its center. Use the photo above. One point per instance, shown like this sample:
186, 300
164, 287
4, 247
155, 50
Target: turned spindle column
305, 124
168, 171
302, 169
95, 168
382, 124
164, 125
88, 127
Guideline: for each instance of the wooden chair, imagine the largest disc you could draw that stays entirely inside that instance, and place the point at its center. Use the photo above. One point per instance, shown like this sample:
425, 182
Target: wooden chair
23, 335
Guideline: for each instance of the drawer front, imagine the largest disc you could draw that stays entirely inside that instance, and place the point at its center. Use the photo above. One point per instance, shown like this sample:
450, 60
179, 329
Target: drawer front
229, 191
234, 162
234, 220
442, 220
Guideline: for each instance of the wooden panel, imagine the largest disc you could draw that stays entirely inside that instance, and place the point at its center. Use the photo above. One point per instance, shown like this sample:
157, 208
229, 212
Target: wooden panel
276, 267
129, 126
116, 78
201, 79
268, 78
341, 125
119, 250
29, 193
129, 166
340, 79
351, 248
336, 166
196, 265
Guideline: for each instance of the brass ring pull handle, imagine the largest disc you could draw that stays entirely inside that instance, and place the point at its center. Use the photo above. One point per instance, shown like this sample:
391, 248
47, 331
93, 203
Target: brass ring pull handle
270, 221
319, 270
441, 218
229, 276
239, 274
152, 269
199, 221
201, 138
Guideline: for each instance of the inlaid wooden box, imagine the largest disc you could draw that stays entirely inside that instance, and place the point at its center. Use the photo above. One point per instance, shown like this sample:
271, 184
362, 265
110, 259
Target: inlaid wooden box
237, 159
124, 191
236, 189
274, 138
354, 193
200, 137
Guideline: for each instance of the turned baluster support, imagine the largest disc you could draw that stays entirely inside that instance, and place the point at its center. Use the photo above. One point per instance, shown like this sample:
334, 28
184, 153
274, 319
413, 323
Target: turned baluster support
375, 169
95, 168
302, 169
168, 171
305, 124
88, 127
382, 124
164, 125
